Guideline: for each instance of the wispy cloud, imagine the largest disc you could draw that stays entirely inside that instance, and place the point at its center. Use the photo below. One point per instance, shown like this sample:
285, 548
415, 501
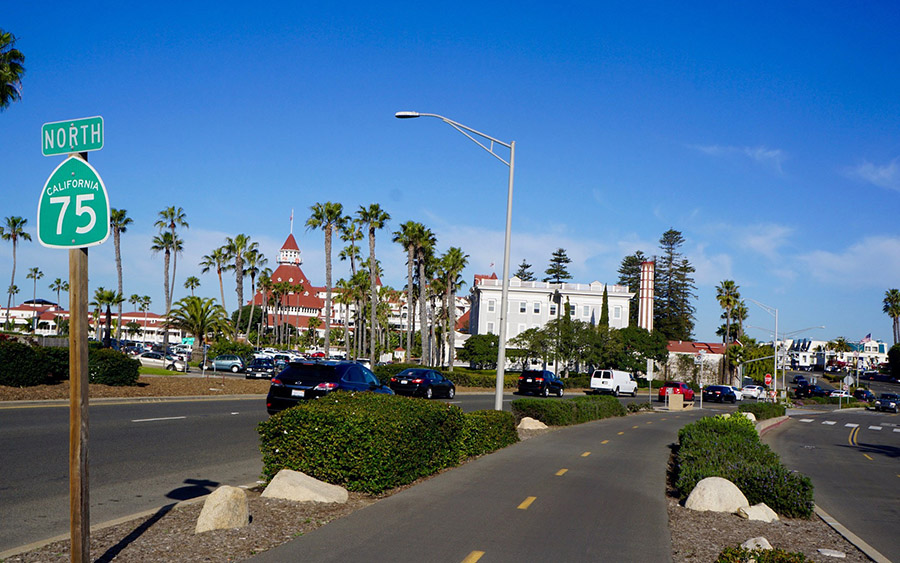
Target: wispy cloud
871, 262
762, 155
883, 176
710, 269
764, 239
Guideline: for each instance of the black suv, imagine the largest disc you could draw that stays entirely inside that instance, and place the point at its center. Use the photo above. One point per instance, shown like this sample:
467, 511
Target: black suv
811, 391
540, 382
310, 380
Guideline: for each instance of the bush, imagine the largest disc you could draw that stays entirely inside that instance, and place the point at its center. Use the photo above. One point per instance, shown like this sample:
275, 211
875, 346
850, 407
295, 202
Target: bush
223, 346
57, 362
637, 407
762, 411
578, 382
487, 431
730, 448
461, 377
21, 365
363, 441
110, 367
743, 555
568, 411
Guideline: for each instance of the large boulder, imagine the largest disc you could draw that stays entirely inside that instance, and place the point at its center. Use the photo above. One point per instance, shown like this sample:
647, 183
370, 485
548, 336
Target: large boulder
757, 543
297, 486
760, 512
529, 423
226, 507
749, 415
716, 494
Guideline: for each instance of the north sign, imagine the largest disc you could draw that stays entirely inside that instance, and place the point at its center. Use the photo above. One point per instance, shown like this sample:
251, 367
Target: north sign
73, 211
75, 135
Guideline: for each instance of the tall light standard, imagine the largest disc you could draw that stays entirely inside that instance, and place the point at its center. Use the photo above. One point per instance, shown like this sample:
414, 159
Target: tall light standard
504, 295
773, 311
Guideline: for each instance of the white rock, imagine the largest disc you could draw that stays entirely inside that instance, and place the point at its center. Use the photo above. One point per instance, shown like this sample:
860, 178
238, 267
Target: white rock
833, 553
716, 494
529, 423
749, 415
226, 507
757, 543
294, 485
760, 512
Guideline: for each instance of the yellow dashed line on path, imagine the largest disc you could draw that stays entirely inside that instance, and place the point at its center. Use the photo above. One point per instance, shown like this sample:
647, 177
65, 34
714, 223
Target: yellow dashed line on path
634, 427
665, 419
473, 557
868, 458
620, 433
585, 454
561, 472
526, 503
650, 422
605, 442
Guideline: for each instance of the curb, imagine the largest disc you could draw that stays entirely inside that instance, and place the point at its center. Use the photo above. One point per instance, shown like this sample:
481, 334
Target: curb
858, 542
764, 426
109, 523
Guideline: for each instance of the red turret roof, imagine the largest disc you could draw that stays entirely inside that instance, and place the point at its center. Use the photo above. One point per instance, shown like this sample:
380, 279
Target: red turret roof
290, 243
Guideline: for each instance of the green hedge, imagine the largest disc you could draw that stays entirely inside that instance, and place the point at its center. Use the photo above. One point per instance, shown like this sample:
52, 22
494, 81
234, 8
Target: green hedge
730, 448
110, 367
21, 365
763, 411
371, 442
487, 431
565, 412
461, 377
739, 554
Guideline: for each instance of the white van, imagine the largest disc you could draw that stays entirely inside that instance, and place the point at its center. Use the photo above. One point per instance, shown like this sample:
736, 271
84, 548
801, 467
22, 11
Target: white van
613, 381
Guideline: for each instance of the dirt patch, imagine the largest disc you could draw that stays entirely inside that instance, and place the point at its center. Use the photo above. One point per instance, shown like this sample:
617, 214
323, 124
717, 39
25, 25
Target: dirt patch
148, 386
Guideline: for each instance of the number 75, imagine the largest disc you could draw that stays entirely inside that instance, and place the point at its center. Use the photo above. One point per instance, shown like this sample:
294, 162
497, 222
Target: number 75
80, 209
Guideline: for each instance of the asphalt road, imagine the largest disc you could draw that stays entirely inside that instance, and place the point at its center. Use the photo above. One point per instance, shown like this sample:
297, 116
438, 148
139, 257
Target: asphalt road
852, 458
593, 492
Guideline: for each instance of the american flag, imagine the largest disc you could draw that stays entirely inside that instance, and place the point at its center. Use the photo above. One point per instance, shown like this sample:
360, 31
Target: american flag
868, 338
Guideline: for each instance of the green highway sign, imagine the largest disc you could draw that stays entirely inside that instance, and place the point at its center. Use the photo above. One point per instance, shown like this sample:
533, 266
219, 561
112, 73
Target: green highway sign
73, 211
74, 135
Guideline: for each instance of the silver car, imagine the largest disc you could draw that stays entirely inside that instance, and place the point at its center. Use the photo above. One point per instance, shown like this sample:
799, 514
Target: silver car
157, 360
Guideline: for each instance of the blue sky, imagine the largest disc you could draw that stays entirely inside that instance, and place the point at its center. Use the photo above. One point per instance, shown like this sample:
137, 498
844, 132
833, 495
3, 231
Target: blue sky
769, 135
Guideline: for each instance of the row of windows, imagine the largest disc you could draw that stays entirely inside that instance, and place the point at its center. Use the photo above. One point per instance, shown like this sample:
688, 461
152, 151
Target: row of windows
536, 308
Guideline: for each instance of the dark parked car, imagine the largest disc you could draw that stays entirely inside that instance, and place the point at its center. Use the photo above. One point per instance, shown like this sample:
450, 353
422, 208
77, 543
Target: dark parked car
540, 382
719, 393
811, 391
864, 395
310, 380
800, 380
675, 388
422, 382
260, 368
888, 402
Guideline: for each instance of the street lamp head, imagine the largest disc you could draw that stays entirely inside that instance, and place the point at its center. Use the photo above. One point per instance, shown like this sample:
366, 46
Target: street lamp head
406, 114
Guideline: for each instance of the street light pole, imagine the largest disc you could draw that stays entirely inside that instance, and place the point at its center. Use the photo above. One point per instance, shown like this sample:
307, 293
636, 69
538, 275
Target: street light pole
504, 294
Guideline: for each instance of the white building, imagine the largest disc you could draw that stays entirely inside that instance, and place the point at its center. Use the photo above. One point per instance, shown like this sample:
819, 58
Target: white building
533, 304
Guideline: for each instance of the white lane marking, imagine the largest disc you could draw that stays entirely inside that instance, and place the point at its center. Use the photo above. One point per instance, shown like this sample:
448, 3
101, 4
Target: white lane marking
157, 419
851, 425
896, 429
829, 422
806, 420
235, 413
874, 428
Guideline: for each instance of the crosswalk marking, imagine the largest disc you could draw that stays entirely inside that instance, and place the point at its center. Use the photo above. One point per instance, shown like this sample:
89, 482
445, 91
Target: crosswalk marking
874, 428
830, 422
851, 425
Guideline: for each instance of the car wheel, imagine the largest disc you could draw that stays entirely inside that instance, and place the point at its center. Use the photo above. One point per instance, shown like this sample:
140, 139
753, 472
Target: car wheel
616, 392
634, 393
560, 392
429, 393
170, 367
235, 369
733, 400
451, 393
545, 392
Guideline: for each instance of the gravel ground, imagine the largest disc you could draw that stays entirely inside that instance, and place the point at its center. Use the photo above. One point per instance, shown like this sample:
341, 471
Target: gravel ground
168, 535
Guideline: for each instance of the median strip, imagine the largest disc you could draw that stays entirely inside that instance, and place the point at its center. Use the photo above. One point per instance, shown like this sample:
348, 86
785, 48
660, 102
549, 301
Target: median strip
526, 503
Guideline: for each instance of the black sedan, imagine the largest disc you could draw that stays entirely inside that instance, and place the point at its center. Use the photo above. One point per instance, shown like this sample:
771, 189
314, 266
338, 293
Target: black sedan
260, 368
422, 382
811, 391
719, 393
301, 381
540, 382
888, 402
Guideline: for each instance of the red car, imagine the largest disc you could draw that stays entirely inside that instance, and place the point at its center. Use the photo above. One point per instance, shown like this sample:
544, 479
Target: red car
675, 388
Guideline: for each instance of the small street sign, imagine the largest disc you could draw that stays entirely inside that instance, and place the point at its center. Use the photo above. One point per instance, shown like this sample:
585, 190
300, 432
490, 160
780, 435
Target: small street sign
768, 379
75, 135
848, 380
73, 211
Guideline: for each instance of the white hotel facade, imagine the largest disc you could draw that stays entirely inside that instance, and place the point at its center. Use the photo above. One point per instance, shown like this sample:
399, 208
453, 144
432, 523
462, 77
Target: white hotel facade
533, 304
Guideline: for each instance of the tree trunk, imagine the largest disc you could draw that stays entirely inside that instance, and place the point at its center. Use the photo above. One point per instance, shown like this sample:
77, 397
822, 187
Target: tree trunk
373, 322
410, 311
119, 274
328, 229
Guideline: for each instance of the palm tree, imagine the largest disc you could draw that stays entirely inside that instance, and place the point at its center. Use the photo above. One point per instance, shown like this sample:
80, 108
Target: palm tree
327, 216
255, 260
106, 298
145, 306
453, 262
374, 218
118, 224
170, 245
892, 309
237, 249
217, 260
406, 237
135, 300
11, 291
739, 313
11, 70
13, 230
424, 256
34, 274
728, 296
58, 285
264, 286
192, 283
170, 218
198, 316
345, 298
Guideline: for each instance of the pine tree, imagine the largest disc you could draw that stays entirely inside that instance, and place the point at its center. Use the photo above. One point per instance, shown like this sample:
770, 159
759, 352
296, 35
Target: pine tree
604, 308
674, 314
524, 272
557, 271
630, 276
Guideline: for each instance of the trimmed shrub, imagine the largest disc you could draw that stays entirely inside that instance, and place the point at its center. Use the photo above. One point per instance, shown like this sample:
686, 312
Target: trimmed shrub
763, 411
637, 407
363, 441
224, 346
110, 367
569, 411
577, 382
730, 448
740, 554
21, 365
487, 431
56, 361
